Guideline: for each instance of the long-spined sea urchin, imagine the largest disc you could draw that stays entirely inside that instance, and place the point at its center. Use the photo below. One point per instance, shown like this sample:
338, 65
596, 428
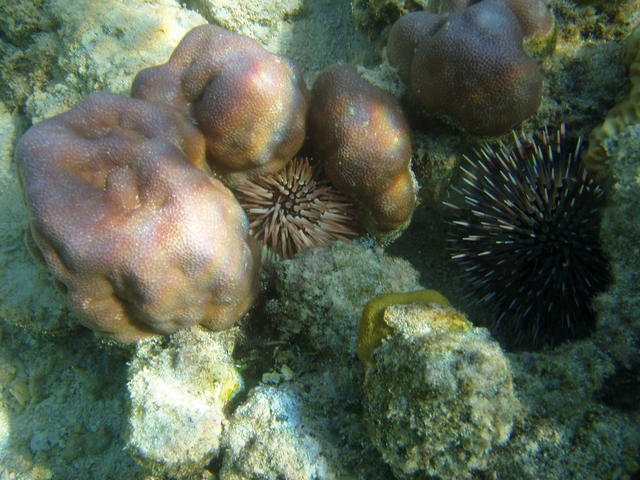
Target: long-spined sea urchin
294, 209
526, 231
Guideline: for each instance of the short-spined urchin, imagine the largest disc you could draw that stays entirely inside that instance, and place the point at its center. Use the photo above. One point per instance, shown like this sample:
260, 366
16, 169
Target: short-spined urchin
294, 209
526, 231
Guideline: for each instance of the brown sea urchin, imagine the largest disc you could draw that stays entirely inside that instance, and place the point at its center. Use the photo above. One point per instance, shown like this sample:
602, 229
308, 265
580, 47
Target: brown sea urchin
526, 231
295, 209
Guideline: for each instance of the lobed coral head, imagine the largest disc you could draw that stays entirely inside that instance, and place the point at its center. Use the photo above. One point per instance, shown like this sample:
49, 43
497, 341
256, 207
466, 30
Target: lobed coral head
249, 104
470, 63
534, 16
362, 138
137, 235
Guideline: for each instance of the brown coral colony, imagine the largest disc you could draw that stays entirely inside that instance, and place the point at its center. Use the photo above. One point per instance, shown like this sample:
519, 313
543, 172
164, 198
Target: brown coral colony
470, 63
361, 134
118, 199
156, 240
225, 82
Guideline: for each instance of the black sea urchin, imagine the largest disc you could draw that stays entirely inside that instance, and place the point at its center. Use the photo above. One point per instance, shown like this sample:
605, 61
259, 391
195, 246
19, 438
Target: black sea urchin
526, 231
294, 209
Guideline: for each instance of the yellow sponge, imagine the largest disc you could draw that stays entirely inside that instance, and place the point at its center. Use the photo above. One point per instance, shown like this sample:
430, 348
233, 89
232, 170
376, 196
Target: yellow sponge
373, 329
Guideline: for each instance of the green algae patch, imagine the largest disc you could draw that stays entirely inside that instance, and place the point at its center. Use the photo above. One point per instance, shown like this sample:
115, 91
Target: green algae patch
373, 328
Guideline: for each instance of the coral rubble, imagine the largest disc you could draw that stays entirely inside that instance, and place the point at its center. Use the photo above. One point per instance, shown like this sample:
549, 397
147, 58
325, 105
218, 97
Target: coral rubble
438, 394
320, 295
178, 395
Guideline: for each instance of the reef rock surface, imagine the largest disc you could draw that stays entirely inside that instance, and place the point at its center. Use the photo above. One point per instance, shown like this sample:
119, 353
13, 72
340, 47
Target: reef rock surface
283, 395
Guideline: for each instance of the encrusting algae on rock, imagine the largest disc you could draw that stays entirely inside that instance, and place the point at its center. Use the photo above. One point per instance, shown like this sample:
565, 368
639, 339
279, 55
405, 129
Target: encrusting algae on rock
627, 112
373, 328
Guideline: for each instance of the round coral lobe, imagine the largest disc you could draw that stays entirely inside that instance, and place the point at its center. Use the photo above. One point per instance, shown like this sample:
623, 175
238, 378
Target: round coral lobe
534, 16
471, 64
250, 104
362, 139
126, 218
405, 37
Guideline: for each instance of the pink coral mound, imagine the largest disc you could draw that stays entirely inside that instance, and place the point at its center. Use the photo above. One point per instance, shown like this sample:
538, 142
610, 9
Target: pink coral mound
136, 234
249, 104
362, 139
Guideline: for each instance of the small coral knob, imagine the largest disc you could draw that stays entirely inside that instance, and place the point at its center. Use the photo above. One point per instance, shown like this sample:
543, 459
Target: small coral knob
362, 138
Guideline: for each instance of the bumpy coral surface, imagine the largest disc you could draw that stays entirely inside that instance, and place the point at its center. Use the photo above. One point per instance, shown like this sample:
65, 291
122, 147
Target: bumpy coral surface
471, 64
533, 15
362, 138
249, 104
140, 239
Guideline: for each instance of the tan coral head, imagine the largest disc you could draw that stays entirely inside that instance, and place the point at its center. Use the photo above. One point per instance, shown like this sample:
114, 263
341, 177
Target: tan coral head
140, 239
250, 104
362, 138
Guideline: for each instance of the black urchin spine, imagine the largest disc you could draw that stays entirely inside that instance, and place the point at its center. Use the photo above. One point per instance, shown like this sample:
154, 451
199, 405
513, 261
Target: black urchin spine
526, 231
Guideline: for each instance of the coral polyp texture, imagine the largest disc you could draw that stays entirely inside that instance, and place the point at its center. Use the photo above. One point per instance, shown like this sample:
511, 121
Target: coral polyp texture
470, 63
249, 104
526, 230
136, 233
362, 139
295, 209
534, 16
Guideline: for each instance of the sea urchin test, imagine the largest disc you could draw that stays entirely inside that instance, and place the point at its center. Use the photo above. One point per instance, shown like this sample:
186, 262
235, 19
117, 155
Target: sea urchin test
525, 226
